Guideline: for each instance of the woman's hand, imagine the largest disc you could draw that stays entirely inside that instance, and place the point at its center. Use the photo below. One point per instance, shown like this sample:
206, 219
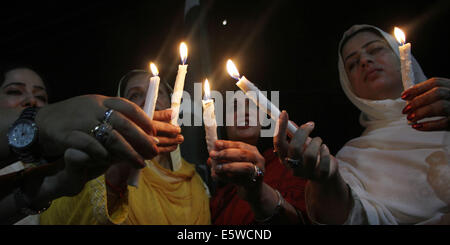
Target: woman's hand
236, 162
429, 99
168, 135
67, 124
307, 157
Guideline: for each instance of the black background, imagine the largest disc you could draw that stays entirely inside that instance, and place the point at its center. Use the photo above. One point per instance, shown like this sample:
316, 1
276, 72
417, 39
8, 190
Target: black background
290, 46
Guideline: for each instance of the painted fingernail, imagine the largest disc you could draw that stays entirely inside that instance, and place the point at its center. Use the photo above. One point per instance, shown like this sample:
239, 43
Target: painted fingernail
156, 140
213, 153
411, 116
417, 126
407, 109
310, 124
405, 95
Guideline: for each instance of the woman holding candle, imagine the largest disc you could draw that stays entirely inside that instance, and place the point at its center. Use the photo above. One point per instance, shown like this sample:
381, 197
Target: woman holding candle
167, 193
275, 198
393, 173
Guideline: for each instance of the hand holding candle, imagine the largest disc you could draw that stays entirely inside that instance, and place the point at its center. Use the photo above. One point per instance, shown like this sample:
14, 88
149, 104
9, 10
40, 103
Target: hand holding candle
257, 97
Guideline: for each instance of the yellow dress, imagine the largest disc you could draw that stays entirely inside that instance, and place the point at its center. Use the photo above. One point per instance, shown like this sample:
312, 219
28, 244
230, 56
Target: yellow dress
164, 197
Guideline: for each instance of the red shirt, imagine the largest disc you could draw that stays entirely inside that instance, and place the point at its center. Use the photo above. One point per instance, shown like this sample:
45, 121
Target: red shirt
227, 208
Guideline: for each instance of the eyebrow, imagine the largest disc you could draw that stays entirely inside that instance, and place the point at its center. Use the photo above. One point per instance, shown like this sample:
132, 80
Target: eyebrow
23, 85
365, 45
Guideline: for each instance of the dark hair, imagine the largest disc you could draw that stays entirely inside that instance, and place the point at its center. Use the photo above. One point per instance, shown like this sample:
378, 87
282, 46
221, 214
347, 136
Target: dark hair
5, 68
126, 78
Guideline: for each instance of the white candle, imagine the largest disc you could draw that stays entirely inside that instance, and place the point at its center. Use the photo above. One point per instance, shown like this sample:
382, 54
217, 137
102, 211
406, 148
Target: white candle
257, 97
149, 108
209, 118
152, 92
176, 101
405, 59
179, 85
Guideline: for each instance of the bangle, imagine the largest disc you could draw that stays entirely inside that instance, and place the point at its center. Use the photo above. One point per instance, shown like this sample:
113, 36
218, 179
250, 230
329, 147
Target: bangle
277, 210
120, 191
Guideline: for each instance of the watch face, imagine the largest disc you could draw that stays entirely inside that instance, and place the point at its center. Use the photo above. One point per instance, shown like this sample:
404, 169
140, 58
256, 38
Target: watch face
22, 134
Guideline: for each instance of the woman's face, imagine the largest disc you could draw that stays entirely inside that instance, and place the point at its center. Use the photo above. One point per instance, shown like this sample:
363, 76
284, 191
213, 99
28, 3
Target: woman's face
136, 91
248, 134
22, 88
372, 67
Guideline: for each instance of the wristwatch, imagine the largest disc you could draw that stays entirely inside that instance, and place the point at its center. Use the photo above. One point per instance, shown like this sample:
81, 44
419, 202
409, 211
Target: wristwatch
23, 136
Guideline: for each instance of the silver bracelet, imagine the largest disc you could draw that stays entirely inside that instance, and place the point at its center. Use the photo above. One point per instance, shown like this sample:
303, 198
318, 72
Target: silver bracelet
276, 211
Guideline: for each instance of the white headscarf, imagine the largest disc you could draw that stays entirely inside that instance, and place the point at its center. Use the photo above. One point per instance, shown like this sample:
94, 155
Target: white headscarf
397, 175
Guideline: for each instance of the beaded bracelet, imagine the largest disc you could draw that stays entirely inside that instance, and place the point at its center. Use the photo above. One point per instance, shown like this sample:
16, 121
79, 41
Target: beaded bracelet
277, 210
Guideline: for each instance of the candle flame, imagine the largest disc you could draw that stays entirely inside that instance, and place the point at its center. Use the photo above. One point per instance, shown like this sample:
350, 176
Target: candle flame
183, 52
154, 69
207, 89
399, 35
232, 70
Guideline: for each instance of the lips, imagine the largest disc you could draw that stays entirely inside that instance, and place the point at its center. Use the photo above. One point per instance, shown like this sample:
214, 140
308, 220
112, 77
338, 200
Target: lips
371, 72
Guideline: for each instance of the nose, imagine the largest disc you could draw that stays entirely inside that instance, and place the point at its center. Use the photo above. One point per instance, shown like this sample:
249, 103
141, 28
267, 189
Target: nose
366, 59
29, 101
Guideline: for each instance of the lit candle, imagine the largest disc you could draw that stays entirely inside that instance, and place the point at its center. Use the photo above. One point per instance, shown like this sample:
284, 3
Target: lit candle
209, 118
405, 59
152, 92
176, 101
257, 97
149, 108
179, 84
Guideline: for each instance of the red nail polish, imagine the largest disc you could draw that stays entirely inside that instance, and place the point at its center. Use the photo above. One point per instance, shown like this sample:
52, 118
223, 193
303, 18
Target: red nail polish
417, 126
411, 116
407, 109
404, 96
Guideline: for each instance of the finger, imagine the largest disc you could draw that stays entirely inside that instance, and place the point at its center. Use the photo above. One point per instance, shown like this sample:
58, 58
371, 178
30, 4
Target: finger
438, 108
120, 148
225, 144
436, 125
429, 97
132, 112
423, 87
322, 170
163, 116
165, 141
295, 148
236, 155
143, 143
79, 162
85, 143
236, 172
280, 137
77, 159
166, 129
166, 149
310, 157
